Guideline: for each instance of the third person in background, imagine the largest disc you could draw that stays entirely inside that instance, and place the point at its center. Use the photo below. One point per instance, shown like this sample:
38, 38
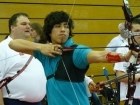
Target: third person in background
36, 31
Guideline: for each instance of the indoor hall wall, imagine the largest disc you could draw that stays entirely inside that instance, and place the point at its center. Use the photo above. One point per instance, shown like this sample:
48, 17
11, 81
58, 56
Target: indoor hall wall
96, 21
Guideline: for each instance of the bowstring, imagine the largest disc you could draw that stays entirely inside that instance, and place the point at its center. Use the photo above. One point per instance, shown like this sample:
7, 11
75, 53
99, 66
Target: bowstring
71, 10
63, 61
70, 81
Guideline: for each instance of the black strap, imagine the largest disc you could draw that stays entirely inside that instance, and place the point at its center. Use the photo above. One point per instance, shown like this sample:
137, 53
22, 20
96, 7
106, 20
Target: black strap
50, 76
24, 67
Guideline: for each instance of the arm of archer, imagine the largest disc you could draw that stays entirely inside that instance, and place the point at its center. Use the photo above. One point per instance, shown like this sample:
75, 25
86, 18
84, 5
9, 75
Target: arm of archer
28, 47
23, 46
105, 57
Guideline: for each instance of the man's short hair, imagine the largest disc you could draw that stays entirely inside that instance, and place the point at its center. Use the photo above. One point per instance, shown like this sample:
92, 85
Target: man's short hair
121, 26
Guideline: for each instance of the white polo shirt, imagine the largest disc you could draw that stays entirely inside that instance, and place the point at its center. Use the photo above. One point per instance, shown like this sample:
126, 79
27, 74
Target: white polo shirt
116, 41
122, 66
30, 85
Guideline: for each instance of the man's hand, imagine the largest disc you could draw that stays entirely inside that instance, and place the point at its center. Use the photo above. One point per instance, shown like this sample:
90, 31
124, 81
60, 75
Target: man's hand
92, 87
51, 49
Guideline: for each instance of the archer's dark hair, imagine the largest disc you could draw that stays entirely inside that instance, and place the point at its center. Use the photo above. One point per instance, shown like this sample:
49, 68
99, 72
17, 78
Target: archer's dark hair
13, 19
136, 20
53, 18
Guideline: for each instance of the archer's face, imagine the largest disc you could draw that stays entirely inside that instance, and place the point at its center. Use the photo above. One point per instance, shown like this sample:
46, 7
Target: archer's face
60, 33
136, 28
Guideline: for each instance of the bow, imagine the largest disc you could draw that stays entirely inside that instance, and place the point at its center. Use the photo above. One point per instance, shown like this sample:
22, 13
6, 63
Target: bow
132, 46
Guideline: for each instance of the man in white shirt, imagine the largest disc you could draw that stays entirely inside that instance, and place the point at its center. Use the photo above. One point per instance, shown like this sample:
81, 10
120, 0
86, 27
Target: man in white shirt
122, 67
118, 40
29, 87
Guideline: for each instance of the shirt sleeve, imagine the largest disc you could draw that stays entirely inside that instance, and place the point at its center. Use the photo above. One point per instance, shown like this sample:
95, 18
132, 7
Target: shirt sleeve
38, 55
80, 56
